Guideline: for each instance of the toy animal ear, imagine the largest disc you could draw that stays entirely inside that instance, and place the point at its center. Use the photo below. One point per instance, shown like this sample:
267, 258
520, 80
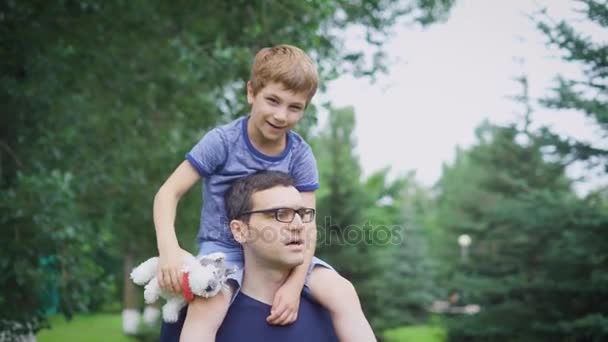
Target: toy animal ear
214, 258
230, 270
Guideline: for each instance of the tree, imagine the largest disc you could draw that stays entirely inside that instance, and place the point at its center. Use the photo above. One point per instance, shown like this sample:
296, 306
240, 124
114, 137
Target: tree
588, 94
113, 104
344, 236
371, 230
341, 194
403, 286
534, 263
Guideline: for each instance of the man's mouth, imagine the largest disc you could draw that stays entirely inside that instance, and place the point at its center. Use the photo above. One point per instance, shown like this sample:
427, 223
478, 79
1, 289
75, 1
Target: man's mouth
295, 242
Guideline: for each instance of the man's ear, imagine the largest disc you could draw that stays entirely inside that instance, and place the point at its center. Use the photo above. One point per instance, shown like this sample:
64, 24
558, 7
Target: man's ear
239, 231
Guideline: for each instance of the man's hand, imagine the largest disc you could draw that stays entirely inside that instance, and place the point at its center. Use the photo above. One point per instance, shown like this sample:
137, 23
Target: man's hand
170, 269
285, 306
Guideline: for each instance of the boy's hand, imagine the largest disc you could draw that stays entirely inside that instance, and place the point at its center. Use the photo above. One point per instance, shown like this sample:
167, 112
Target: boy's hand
170, 270
285, 306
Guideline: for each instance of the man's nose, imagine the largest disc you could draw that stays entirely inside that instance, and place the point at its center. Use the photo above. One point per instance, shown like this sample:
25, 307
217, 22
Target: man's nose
297, 222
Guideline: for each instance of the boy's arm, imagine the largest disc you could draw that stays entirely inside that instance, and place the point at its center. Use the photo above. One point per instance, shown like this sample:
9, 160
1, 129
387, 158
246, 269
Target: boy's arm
287, 299
165, 207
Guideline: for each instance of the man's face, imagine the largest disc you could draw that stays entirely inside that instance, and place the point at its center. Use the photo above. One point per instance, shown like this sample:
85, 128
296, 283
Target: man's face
274, 243
274, 111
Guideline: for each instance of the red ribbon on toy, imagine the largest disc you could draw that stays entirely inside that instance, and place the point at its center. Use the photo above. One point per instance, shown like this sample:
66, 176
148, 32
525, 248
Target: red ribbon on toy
188, 295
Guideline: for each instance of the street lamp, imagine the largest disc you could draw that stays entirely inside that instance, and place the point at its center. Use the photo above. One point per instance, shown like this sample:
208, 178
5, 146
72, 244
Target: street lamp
464, 241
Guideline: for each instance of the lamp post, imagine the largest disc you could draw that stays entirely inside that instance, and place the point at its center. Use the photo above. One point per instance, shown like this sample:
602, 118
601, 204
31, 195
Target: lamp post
464, 241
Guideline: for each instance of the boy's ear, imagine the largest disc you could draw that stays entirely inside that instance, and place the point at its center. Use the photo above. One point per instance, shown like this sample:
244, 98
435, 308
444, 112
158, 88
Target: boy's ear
250, 95
239, 231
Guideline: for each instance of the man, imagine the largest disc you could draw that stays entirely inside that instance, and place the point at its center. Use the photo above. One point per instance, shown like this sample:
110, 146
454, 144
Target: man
267, 218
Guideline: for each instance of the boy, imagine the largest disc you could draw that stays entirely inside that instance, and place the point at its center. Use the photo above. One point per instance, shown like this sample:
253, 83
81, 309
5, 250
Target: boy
283, 81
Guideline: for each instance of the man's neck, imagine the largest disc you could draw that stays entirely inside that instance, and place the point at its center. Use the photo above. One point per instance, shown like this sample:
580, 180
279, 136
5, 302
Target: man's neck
262, 282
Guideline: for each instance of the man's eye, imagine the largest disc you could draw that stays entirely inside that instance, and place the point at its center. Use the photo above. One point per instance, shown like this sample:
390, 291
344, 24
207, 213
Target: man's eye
284, 214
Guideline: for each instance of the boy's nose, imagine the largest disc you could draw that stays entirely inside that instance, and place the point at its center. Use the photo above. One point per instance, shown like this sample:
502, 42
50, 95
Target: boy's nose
280, 114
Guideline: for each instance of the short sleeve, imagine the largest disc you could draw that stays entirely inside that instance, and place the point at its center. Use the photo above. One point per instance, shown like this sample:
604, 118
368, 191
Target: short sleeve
304, 170
209, 154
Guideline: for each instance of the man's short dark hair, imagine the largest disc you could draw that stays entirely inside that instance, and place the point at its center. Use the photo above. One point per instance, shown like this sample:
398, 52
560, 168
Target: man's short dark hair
238, 197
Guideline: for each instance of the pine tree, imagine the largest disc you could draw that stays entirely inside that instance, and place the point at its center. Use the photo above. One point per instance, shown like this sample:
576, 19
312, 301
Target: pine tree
536, 264
589, 94
371, 230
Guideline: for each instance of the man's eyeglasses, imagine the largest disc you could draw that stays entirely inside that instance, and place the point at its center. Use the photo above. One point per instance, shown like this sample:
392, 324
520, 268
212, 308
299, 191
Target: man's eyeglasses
286, 215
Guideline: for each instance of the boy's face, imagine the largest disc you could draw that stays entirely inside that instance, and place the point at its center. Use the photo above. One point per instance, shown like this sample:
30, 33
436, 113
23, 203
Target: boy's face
274, 111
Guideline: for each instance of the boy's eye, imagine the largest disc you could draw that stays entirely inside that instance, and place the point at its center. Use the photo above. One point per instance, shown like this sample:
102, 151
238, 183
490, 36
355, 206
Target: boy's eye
272, 100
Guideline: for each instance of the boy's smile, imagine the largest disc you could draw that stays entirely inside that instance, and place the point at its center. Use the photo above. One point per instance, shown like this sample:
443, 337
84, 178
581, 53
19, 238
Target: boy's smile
274, 111
276, 126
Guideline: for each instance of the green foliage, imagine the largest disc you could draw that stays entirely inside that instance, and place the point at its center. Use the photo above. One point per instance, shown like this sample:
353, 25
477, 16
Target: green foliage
363, 232
589, 93
111, 94
48, 250
405, 287
342, 237
535, 261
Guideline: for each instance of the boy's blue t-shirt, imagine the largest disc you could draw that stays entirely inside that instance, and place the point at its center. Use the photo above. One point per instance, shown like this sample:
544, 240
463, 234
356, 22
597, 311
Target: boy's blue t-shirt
246, 321
225, 154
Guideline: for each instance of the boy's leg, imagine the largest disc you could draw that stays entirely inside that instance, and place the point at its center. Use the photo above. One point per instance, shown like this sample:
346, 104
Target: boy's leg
339, 297
205, 316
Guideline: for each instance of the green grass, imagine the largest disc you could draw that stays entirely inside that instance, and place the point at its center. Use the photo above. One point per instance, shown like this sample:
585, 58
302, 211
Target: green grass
104, 327
417, 333
89, 328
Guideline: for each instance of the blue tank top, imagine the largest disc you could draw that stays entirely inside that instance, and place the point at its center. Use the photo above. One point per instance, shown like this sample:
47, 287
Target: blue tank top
246, 321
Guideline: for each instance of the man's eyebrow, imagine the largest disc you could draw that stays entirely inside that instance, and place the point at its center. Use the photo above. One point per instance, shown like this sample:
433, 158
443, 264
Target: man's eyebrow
285, 207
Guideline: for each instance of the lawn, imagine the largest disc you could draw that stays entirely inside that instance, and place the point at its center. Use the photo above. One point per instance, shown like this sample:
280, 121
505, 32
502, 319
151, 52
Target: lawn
417, 333
104, 327
86, 328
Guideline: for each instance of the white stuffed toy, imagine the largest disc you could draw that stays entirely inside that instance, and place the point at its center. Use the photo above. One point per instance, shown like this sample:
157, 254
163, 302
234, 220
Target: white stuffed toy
203, 277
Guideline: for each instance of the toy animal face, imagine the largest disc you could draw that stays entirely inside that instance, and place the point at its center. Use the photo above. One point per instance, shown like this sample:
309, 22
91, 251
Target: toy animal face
204, 282
208, 280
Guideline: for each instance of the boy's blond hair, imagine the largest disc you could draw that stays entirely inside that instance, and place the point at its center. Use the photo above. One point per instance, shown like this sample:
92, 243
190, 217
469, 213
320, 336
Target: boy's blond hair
287, 65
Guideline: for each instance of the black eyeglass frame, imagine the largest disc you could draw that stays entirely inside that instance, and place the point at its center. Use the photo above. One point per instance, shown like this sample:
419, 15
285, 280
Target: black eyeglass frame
301, 212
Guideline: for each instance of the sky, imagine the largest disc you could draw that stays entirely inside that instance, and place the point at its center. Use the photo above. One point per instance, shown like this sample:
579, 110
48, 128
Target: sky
444, 80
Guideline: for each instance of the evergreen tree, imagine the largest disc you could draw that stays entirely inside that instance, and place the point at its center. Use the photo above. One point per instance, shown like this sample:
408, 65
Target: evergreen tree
589, 94
536, 264
404, 287
364, 233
